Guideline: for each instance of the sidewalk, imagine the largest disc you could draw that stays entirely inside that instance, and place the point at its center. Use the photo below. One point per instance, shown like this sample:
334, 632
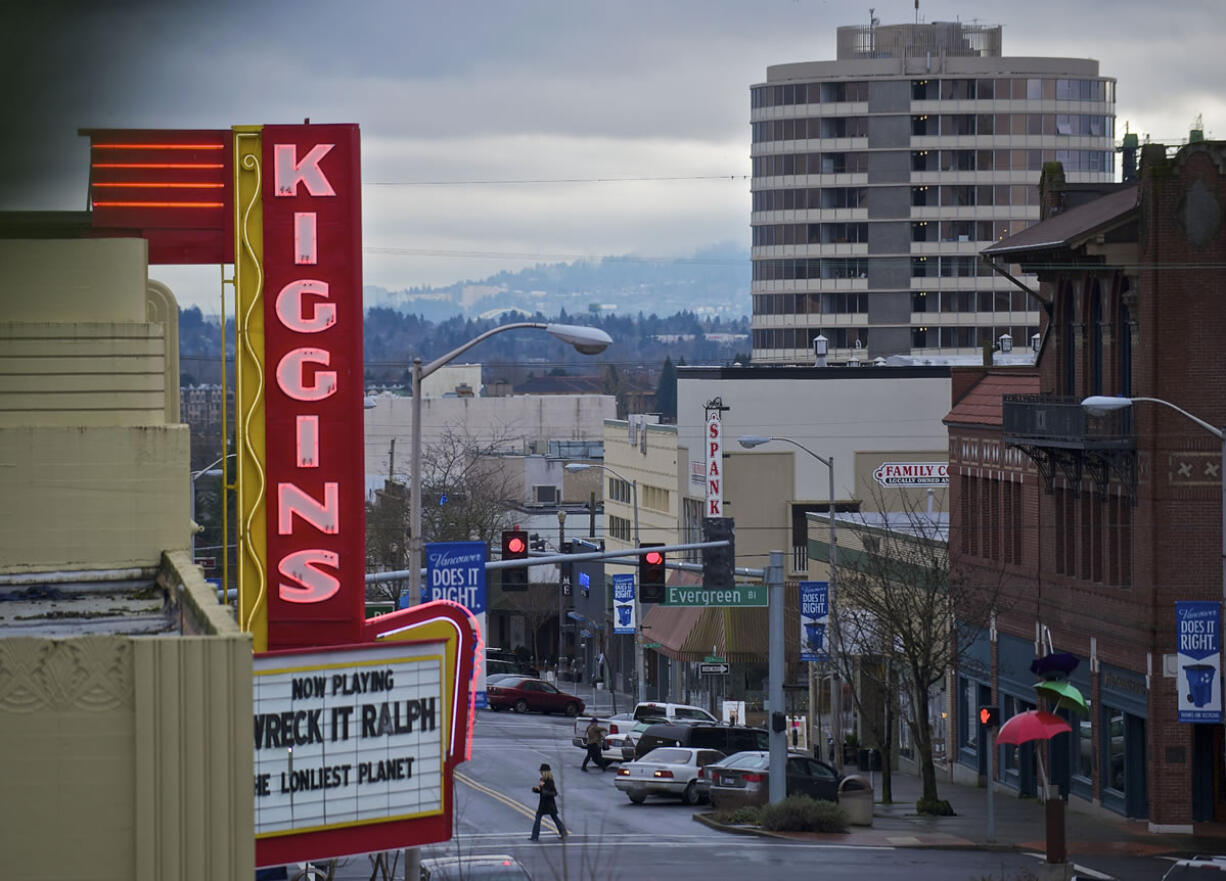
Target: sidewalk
1020, 825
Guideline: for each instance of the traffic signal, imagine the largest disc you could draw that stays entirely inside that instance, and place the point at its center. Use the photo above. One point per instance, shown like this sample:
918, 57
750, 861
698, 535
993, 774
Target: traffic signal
718, 564
989, 717
514, 547
651, 573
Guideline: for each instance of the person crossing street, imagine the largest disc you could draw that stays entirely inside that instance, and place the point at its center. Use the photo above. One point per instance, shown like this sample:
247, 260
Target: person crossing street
593, 739
548, 805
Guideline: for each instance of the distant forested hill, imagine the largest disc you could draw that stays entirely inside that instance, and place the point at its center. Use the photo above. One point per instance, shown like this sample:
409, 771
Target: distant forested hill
714, 282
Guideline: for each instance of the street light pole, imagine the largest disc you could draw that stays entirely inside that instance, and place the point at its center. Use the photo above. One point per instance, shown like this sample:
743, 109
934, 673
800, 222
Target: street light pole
836, 682
639, 671
586, 340
561, 588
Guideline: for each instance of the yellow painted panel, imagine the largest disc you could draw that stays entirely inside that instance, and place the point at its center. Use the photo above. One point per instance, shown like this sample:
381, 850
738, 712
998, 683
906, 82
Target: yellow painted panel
249, 430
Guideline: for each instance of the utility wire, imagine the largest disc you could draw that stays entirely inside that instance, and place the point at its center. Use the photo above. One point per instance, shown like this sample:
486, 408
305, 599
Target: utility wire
556, 180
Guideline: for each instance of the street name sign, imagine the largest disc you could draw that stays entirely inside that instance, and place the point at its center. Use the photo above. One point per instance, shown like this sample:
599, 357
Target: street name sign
741, 595
713, 669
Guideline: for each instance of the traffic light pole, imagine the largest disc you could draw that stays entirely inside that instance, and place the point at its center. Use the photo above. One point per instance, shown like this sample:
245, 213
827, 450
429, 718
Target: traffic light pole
640, 666
991, 733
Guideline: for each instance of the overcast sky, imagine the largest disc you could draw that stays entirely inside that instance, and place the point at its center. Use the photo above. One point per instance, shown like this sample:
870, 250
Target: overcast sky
641, 106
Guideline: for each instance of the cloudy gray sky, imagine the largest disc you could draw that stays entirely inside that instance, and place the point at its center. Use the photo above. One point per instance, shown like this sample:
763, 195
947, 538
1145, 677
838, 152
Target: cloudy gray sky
473, 111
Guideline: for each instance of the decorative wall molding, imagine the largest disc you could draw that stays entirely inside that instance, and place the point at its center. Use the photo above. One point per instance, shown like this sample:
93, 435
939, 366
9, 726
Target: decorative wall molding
90, 673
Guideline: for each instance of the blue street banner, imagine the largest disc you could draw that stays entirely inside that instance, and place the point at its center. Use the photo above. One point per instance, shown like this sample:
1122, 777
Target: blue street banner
623, 605
455, 570
1199, 661
814, 620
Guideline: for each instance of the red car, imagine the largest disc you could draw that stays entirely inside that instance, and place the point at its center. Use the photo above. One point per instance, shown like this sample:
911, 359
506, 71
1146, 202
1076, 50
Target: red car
523, 693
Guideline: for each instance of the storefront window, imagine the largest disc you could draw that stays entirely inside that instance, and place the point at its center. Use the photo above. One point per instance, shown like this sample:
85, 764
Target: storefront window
1083, 761
969, 711
1112, 746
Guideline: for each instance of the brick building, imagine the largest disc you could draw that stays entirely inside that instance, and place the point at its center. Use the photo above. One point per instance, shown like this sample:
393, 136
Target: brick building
1097, 525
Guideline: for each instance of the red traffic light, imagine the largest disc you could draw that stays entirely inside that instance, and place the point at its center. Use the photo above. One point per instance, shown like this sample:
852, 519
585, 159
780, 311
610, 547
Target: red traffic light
989, 716
654, 558
515, 545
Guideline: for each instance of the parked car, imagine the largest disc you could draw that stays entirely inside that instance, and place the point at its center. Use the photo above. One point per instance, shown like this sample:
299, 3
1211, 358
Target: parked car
667, 712
744, 779
498, 677
474, 867
500, 661
622, 743
523, 693
705, 774
671, 771
728, 739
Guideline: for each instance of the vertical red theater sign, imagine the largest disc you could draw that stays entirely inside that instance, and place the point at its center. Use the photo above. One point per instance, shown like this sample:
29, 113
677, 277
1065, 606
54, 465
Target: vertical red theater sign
387, 702
315, 520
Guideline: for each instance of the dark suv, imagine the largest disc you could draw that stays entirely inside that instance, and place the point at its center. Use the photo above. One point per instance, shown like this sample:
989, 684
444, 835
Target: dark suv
728, 739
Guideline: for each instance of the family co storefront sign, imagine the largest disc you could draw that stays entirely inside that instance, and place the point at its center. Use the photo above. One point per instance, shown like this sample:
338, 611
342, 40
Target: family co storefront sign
912, 474
356, 739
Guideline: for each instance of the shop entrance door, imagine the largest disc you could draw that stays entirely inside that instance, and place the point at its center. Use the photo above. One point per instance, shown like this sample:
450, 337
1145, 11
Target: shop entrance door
1208, 773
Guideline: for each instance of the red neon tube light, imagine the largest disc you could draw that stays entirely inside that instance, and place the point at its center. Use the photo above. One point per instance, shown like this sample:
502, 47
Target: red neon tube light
159, 204
157, 146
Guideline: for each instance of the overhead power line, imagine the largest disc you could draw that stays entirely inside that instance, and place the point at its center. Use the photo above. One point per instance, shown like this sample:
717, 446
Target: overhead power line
511, 255
551, 180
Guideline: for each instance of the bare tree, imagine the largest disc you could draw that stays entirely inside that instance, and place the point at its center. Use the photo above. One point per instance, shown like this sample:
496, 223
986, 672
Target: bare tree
465, 489
465, 494
905, 620
387, 530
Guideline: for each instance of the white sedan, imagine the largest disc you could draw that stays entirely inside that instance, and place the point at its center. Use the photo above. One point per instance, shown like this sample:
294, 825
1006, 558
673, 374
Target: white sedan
667, 770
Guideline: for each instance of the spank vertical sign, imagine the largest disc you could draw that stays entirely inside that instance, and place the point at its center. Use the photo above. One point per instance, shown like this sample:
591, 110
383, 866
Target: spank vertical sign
313, 399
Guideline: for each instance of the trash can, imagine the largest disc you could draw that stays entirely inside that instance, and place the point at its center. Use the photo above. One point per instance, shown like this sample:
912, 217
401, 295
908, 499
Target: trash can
856, 798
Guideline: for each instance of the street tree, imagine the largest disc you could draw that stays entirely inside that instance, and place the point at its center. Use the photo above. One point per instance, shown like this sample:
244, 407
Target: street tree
465, 497
904, 621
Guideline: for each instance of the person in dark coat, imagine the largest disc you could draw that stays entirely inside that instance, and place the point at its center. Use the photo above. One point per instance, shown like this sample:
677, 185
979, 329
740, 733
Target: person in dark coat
548, 790
593, 740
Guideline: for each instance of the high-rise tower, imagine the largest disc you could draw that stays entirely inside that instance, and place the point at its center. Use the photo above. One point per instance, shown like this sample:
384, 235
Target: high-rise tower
880, 176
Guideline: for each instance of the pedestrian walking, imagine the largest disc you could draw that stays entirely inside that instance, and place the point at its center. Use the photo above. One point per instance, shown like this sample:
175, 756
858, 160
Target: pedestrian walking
548, 804
593, 739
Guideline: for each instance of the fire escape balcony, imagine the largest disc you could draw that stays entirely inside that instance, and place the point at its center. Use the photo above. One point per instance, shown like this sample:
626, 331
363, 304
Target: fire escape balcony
1060, 437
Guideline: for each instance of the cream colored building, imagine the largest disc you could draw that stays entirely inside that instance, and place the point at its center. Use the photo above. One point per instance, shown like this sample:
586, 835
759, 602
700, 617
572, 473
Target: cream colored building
125, 686
861, 418
513, 424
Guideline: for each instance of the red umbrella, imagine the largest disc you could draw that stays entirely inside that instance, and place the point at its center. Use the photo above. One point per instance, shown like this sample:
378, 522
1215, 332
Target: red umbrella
1031, 725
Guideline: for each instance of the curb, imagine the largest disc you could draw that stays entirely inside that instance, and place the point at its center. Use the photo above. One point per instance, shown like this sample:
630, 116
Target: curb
707, 820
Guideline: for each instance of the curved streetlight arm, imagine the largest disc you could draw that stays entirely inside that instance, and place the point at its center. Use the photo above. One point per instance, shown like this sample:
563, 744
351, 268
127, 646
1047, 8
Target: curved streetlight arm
217, 461
588, 340
1100, 403
825, 460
